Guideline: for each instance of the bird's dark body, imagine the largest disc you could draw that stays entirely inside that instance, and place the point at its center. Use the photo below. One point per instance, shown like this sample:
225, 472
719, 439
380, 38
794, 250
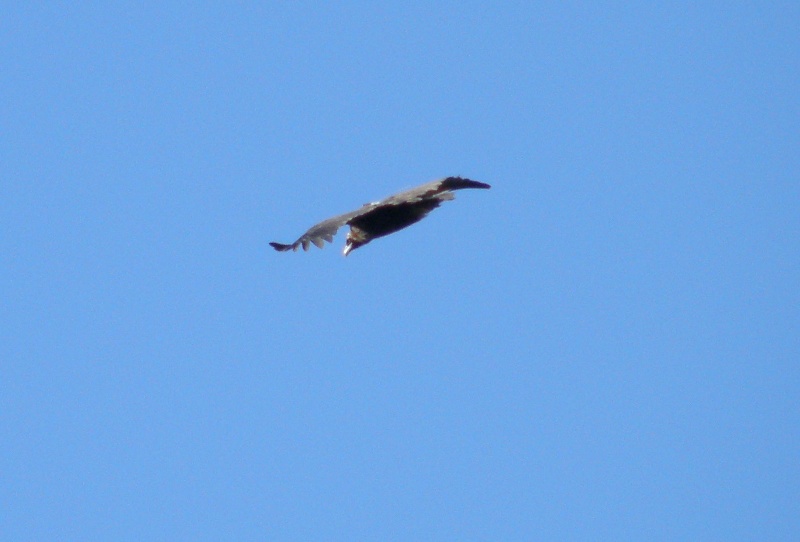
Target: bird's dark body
388, 219
385, 217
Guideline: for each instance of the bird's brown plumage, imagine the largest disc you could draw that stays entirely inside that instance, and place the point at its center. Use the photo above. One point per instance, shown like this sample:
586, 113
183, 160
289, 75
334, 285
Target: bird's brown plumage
389, 215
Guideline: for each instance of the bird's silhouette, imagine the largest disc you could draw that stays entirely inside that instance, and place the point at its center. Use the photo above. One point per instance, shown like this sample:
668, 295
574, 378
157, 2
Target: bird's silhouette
389, 215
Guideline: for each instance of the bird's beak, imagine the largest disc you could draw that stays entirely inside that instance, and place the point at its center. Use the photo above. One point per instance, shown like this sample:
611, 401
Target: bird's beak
347, 248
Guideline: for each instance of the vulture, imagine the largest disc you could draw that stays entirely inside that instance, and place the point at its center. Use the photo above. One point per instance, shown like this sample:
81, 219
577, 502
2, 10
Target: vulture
374, 220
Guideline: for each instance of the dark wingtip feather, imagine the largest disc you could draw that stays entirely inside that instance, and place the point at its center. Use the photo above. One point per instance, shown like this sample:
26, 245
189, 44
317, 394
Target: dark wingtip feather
456, 183
280, 247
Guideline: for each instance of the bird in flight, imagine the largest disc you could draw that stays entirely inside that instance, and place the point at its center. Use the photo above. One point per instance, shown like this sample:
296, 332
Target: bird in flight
381, 218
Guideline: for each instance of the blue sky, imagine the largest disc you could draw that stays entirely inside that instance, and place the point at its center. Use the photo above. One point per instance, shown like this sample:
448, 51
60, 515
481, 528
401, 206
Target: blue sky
604, 346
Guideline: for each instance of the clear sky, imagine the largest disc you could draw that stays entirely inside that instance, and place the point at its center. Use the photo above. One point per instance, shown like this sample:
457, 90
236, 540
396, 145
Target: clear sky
604, 346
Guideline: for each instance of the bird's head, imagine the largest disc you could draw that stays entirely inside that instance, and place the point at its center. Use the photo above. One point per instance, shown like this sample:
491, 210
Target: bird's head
356, 238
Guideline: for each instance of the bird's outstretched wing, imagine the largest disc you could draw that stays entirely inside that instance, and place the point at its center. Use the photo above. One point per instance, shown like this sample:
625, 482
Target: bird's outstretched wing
433, 190
324, 231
